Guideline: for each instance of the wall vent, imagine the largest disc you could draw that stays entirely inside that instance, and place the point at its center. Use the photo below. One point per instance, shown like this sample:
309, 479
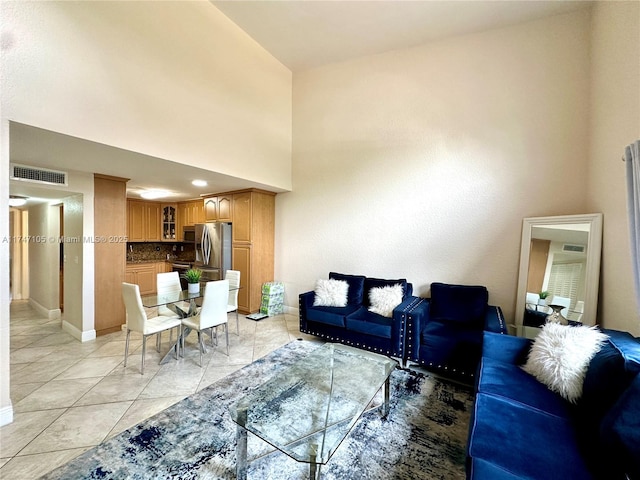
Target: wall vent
567, 247
37, 175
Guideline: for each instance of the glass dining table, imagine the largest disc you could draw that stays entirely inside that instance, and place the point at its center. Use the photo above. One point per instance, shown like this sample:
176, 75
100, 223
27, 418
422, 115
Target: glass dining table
176, 301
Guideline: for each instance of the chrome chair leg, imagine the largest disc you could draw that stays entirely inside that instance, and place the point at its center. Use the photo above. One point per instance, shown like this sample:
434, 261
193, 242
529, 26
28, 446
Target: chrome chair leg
201, 346
126, 347
226, 331
144, 350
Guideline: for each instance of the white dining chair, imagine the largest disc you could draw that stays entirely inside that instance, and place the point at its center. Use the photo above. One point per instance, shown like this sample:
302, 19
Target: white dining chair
137, 321
234, 284
212, 314
166, 283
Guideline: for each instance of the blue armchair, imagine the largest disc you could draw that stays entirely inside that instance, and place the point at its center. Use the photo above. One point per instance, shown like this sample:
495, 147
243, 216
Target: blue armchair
447, 336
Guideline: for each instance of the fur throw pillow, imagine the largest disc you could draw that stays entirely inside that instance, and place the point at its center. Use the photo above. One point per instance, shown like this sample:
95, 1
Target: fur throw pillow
560, 356
384, 300
331, 293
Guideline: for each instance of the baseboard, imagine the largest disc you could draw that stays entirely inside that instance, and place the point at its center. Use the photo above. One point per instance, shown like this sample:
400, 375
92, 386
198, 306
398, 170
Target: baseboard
53, 314
77, 333
6, 415
292, 310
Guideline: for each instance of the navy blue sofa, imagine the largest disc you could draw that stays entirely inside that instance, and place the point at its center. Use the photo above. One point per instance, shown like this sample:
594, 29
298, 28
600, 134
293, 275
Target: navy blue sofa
520, 429
446, 335
354, 324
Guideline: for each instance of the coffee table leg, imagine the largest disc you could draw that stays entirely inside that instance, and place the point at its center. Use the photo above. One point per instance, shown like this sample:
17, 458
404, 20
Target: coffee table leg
314, 470
385, 392
241, 449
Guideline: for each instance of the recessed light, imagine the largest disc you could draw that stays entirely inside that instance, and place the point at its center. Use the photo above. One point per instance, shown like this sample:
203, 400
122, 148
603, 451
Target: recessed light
199, 183
155, 193
15, 201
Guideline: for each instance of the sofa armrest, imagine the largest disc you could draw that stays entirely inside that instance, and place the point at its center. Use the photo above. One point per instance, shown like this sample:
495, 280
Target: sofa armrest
413, 314
505, 348
305, 300
494, 320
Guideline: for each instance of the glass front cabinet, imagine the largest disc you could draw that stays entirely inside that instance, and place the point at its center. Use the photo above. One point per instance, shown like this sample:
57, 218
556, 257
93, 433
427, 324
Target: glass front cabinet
169, 222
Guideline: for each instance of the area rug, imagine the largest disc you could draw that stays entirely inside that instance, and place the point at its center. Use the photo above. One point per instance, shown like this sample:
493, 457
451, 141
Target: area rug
423, 436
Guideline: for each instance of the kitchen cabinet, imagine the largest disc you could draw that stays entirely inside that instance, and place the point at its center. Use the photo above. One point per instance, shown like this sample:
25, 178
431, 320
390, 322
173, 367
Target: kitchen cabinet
188, 213
153, 212
181, 214
144, 275
143, 221
218, 208
198, 211
169, 222
253, 244
135, 221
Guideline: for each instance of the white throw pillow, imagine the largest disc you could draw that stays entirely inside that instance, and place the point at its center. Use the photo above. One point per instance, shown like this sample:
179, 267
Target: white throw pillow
384, 299
560, 356
331, 293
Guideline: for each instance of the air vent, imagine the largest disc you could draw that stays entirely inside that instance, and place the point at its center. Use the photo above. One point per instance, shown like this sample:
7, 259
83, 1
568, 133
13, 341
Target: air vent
38, 175
567, 247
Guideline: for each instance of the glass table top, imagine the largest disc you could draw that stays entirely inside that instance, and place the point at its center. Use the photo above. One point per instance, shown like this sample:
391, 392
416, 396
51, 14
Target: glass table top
151, 301
307, 409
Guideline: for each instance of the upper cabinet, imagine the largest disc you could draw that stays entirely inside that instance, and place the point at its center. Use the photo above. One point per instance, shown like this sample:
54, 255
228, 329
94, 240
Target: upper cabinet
218, 208
143, 221
169, 224
155, 222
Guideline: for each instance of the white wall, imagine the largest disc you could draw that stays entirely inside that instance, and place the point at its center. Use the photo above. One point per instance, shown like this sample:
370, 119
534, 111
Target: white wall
422, 163
74, 268
6, 410
175, 80
44, 229
615, 123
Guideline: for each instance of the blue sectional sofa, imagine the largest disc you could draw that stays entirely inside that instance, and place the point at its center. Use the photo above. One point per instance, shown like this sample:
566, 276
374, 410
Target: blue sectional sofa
354, 324
521, 429
446, 337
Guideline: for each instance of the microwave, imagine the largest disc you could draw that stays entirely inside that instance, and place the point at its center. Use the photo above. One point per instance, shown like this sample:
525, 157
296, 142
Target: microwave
189, 233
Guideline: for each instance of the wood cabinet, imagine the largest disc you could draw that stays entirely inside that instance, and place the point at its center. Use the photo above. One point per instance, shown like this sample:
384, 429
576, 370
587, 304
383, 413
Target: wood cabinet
198, 211
144, 275
181, 213
155, 222
188, 213
218, 208
169, 216
143, 221
110, 220
253, 244
135, 221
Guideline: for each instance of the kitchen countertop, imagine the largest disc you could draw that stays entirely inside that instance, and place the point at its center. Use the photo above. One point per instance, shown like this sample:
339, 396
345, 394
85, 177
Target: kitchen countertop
173, 260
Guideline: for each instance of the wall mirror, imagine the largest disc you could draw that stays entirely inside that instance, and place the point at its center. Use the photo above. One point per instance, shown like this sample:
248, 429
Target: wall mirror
559, 256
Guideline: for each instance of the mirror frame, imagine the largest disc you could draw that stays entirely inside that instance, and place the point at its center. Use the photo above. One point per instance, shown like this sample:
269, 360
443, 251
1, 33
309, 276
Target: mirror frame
592, 275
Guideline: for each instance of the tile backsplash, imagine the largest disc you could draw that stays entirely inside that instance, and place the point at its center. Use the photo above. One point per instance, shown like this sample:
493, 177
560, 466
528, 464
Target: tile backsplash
158, 251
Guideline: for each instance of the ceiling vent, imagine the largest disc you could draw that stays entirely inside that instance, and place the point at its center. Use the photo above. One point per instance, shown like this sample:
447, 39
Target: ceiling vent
37, 175
569, 248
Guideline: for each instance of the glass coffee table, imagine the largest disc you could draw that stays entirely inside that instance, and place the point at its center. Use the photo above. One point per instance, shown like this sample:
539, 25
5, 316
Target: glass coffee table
306, 410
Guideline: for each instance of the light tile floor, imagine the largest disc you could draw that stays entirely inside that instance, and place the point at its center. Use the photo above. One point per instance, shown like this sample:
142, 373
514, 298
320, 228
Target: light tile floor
68, 396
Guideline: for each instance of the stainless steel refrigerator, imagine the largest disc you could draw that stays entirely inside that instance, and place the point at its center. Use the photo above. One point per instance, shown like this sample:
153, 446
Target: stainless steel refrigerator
213, 250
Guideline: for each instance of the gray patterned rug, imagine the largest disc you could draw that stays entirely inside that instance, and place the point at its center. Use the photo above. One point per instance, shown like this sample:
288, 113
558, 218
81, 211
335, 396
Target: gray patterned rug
423, 437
